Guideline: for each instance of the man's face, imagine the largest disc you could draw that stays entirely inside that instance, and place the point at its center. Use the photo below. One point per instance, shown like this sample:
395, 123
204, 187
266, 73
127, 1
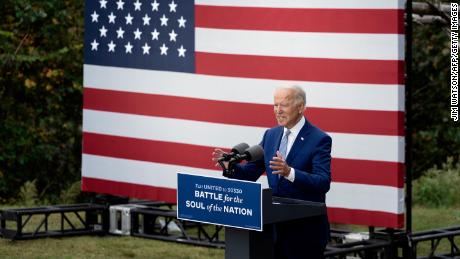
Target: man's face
287, 111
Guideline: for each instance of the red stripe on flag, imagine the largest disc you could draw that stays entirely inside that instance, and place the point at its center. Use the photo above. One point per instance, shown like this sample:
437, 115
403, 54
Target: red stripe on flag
330, 120
301, 69
368, 172
336, 215
365, 217
343, 170
128, 189
301, 20
148, 150
183, 108
357, 121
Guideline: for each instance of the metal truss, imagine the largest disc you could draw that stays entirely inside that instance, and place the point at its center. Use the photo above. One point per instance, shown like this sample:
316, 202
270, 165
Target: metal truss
162, 224
78, 219
390, 243
158, 220
434, 237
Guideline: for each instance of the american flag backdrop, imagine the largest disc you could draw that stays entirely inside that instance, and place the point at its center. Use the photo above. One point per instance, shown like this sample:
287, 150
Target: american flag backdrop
167, 81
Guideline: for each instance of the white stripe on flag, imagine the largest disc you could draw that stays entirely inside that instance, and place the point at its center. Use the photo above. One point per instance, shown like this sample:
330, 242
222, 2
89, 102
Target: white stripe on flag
350, 146
333, 4
321, 95
301, 44
141, 172
341, 195
366, 197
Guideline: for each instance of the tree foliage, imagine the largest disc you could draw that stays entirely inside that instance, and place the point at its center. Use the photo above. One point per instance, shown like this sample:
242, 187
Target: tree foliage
41, 52
41, 57
435, 135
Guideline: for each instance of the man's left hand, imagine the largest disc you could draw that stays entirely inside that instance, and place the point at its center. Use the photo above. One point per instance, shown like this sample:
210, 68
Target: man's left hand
279, 165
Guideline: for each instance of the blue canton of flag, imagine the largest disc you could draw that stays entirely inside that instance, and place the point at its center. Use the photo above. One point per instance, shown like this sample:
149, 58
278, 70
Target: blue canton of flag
140, 34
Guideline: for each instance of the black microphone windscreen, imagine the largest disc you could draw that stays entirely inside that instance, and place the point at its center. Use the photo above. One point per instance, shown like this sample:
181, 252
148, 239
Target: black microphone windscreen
254, 153
240, 148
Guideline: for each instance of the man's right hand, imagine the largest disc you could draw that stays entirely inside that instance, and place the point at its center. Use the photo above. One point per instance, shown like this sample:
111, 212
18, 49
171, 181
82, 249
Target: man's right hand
216, 154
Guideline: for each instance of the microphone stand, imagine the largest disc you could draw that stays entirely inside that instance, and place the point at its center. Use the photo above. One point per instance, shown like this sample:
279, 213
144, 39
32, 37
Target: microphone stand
229, 171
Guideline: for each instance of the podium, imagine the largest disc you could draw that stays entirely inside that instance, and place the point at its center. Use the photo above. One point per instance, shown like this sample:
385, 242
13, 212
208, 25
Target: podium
247, 211
245, 244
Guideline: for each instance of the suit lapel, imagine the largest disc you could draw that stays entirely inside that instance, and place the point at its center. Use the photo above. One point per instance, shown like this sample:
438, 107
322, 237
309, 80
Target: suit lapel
277, 139
299, 142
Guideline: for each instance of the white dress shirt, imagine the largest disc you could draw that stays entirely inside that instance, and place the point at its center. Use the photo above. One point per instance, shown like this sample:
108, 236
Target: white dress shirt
291, 138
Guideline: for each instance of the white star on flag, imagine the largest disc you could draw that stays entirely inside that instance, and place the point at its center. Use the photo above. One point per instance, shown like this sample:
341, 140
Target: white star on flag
94, 45
120, 4
120, 33
146, 49
103, 3
164, 20
181, 22
112, 18
137, 5
103, 31
155, 34
172, 6
181, 51
146, 19
155, 6
128, 48
164, 50
137, 34
172, 36
94, 17
111, 46
129, 19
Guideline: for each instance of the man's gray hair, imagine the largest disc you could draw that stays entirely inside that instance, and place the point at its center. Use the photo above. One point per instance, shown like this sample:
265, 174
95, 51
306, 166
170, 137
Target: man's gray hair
300, 95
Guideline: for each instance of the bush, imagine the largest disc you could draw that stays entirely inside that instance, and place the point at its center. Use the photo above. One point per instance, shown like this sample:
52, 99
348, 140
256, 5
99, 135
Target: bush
71, 194
28, 194
439, 187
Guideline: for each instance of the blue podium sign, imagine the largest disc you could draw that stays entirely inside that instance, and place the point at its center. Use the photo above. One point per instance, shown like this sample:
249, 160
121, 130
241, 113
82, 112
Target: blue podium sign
227, 202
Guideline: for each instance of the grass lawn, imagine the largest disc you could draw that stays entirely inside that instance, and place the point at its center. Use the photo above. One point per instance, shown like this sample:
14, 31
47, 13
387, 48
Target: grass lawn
103, 247
427, 218
132, 247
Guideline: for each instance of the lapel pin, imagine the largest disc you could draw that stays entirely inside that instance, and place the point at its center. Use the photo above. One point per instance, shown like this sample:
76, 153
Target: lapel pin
301, 138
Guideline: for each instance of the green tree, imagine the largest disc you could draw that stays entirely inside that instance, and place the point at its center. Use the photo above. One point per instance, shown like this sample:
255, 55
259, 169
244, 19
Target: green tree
435, 135
41, 50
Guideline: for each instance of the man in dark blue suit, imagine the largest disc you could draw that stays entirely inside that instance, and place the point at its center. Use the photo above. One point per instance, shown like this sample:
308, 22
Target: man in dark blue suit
297, 158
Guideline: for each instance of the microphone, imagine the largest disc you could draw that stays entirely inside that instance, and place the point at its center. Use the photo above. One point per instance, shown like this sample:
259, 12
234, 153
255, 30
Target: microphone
236, 150
251, 154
